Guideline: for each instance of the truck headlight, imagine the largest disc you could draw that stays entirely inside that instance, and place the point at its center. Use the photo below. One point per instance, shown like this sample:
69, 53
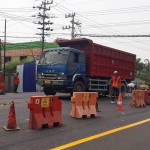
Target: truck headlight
61, 76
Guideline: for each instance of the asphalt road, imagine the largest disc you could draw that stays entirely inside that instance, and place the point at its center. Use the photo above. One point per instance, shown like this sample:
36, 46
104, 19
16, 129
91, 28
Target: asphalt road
108, 120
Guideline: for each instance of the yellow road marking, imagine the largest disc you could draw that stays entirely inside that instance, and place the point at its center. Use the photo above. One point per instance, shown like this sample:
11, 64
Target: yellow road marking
99, 135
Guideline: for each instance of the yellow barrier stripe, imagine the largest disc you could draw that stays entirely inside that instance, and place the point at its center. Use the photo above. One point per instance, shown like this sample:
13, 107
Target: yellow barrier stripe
99, 135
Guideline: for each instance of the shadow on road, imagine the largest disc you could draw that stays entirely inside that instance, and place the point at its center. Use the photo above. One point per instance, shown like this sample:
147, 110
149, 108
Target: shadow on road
65, 98
100, 98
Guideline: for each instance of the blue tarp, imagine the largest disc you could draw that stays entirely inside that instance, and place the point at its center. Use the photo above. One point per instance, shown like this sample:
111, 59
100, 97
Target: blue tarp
29, 80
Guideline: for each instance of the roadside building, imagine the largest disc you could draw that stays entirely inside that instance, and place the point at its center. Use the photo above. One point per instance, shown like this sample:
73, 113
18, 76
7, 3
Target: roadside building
20, 51
23, 50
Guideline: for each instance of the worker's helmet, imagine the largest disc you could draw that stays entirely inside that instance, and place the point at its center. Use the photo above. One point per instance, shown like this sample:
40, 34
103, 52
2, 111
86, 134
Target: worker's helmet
115, 72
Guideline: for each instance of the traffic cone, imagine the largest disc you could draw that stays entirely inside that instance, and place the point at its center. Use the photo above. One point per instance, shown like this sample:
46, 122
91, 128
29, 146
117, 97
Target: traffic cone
119, 103
11, 124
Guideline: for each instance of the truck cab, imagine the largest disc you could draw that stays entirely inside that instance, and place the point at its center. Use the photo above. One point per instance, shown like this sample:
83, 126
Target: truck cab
62, 69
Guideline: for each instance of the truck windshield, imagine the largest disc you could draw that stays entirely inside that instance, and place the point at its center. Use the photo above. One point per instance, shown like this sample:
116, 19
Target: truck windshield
54, 57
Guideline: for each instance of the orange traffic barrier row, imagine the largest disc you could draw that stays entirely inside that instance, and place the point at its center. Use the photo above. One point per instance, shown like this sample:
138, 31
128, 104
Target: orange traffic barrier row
45, 111
84, 104
11, 123
138, 98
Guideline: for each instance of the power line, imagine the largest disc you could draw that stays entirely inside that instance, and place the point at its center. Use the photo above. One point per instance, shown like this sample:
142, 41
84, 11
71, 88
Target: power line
96, 35
116, 11
98, 25
19, 37
85, 2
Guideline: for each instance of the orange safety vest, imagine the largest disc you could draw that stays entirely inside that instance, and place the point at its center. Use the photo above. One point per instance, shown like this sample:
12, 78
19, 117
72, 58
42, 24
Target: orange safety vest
16, 80
116, 81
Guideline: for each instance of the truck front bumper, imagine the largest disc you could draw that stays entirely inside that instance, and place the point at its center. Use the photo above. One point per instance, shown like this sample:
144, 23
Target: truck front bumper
54, 83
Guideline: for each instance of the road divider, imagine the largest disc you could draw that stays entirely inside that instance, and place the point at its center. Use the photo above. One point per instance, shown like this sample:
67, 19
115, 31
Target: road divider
138, 98
84, 104
45, 111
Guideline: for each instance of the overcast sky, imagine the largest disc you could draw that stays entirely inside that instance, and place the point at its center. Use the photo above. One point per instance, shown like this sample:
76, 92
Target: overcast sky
106, 17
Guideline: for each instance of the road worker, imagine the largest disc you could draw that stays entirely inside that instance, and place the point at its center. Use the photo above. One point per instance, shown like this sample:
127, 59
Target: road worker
115, 83
16, 82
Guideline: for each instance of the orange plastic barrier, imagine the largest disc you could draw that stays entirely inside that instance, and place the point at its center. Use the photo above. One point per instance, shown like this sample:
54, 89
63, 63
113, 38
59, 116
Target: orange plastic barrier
119, 103
45, 111
84, 104
138, 98
147, 97
11, 123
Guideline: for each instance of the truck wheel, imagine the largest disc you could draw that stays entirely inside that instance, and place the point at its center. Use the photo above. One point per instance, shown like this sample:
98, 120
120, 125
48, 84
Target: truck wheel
49, 91
78, 87
123, 89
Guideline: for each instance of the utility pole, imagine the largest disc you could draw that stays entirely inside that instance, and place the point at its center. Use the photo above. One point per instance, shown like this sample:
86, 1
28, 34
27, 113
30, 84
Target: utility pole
43, 16
73, 23
72, 33
4, 49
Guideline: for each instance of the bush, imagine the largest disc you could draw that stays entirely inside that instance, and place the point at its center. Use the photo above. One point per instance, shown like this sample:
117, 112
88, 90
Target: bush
11, 66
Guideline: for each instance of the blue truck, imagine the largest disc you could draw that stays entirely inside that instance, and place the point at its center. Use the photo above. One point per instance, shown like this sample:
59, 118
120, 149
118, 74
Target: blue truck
80, 65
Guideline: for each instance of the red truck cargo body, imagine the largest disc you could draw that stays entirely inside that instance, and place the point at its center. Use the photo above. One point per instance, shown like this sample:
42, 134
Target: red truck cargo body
102, 61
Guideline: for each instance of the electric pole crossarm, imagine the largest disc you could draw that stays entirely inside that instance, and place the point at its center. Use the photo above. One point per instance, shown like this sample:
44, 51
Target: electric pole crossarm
42, 34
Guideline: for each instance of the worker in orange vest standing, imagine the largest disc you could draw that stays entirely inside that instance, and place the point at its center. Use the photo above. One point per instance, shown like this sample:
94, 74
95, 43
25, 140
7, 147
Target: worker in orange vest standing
115, 83
16, 82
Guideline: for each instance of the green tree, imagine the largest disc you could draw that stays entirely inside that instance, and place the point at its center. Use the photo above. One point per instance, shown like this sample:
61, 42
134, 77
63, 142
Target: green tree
11, 66
143, 70
139, 65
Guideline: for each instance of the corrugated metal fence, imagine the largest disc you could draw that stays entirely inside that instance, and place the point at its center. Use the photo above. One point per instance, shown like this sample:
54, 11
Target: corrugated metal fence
9, 81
